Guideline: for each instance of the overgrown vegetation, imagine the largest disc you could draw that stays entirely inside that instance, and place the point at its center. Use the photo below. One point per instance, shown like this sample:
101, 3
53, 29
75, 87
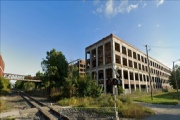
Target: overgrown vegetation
168, 98
125, 106
4, 89
5, 86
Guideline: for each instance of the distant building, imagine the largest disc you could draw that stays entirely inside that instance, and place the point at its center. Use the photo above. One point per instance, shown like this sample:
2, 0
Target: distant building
2, 66
80, 64
104, 57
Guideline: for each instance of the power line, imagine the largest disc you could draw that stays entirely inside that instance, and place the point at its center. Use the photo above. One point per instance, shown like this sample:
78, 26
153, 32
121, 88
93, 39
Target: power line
165, 46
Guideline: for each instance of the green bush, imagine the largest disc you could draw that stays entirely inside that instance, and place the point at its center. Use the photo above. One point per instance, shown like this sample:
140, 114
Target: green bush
120, 90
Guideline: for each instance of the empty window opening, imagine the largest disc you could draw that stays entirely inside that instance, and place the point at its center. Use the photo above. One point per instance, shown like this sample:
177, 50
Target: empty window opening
134, 55
142, 58
129, 53
117, 47
139, 66
135, 65
88, 60
124, 50
100, 55
144, 77
124, 61
118, 59
100, 74
131, 76
130, 63
93, 58
136, 77
125, 75
143, 68
109, 73
108, 53
93, 75
126, 86
120, 74
140, 77
147, 78
139, 57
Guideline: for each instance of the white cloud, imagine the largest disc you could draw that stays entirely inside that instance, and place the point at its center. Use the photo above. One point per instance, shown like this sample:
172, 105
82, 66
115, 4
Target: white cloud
159, 2
157, 25
144, 5
130, 7
109, 9
139, 25
112, 8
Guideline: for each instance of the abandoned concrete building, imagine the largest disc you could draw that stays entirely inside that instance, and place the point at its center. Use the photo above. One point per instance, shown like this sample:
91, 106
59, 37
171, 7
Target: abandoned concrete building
104, 57
81, 66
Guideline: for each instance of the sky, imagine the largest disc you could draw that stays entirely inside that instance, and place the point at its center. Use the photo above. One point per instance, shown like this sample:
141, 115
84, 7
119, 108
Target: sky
28, 29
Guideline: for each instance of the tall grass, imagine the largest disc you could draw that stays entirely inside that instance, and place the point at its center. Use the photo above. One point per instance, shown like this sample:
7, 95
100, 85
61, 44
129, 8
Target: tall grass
125, 106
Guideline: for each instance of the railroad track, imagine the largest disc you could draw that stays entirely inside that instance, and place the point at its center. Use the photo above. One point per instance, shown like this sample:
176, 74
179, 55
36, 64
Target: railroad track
48, 112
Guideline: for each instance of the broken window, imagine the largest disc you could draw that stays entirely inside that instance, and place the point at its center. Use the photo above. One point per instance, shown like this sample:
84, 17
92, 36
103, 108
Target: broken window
129, 53
130, 63
118, 59
139, 66
134, 55
117, 47
108, 53
88, 60
124, 50
125, 74
124, 61
139, 57
93, 56
136, 77
100, 55
131, 76
135, 65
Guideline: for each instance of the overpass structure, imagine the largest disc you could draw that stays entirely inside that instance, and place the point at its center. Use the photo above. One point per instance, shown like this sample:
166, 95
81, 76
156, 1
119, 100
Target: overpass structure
11, 76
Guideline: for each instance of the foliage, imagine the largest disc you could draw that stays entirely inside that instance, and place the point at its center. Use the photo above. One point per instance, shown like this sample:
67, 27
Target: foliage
55, 68
175, 73
5, 85
120, 90
87, 87
75, 85
29, 86
19, 84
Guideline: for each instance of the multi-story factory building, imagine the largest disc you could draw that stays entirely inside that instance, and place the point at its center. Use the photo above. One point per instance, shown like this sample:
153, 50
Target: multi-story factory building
112, 55
80, 65
2, 65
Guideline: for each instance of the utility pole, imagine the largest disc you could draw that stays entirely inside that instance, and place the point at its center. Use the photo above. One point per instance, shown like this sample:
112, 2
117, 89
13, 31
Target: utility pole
149, 71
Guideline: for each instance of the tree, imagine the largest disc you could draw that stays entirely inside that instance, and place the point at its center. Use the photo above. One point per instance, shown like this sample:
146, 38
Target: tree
19, 84
175, 73
1, 86
55, 68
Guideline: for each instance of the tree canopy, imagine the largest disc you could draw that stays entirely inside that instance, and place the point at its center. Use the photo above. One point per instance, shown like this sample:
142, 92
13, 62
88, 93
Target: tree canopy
55, 67
175, 73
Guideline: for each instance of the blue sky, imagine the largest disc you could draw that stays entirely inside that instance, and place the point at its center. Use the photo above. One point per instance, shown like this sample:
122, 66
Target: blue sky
31, 28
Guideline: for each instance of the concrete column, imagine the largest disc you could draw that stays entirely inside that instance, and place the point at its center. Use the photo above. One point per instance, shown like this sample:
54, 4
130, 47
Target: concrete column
146, 84
122, 73
103, 54
90, 59
134, 81
139, 82
113, 59
104, 73
129, 82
